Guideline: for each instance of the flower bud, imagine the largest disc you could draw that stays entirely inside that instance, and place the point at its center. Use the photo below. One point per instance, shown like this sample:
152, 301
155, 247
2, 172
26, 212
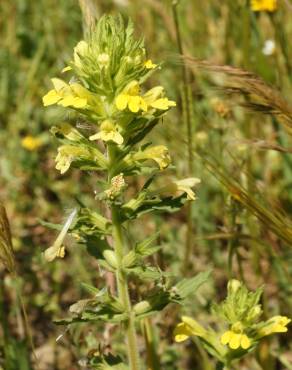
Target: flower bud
141, 307
233, 286
110, 258
254, 313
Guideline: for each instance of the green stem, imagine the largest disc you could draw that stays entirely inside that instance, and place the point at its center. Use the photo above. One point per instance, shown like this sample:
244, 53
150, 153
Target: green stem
121, 278
123, 291
151, 345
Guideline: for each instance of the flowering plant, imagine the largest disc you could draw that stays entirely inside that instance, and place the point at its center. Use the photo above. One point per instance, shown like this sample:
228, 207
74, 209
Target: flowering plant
241, 313
109, 69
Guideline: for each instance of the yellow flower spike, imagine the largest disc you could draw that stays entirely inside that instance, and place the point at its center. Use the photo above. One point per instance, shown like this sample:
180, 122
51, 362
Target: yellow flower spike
31, 143
149, 64
264, 5
108, 132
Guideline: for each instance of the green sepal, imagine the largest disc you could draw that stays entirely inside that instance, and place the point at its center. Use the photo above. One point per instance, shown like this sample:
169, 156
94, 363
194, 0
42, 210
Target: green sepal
186, 287
141, 250
161, 295
103, 307
91, 223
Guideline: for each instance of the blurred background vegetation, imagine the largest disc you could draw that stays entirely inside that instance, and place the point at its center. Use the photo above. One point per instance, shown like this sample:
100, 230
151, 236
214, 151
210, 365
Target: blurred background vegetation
239, 131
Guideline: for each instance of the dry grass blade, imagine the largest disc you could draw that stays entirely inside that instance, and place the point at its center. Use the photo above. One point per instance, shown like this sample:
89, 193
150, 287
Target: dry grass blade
6, 250
259, 96
271, 217
261, 145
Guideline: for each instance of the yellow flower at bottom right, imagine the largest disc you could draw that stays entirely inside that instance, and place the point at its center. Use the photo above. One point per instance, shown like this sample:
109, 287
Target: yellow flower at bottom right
264, 5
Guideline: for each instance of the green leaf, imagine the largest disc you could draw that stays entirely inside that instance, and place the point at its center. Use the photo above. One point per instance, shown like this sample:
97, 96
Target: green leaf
145, 248
50, 225
187, 287
168, 205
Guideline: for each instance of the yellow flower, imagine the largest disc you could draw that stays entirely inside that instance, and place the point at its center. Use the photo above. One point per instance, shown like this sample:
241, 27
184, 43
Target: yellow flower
235, 340
31, 143
187, 328
179, 187
57, 249
277, 324
68, 154
154, 99
108, 132
263, 5
73, 95
158, 153
131, 98
149, 64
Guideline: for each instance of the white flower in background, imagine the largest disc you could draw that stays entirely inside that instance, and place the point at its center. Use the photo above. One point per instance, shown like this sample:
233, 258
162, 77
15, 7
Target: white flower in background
269, 47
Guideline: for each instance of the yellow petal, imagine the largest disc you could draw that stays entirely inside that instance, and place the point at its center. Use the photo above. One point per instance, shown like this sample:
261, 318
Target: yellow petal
163, 104
134, 103
122, 101
194, 327
143, 105
225, 338
73, 101
234, 342
245, 342
181, 332
59, 84
149, 65
52, 97
79, 102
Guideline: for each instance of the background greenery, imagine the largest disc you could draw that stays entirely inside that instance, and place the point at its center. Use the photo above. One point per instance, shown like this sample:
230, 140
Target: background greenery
241, 220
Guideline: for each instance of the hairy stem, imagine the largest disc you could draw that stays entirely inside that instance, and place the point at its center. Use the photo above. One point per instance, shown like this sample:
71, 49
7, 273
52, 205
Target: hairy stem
122, 283
123, 292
